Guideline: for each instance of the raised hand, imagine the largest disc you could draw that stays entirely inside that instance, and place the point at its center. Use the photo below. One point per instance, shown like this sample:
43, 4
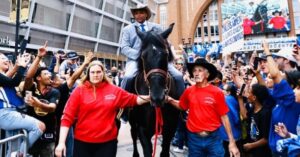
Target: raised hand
22, 61
43, 50
88, 57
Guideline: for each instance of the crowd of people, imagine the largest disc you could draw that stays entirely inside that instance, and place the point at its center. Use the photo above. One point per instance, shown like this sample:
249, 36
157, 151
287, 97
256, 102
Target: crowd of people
232, 105
261, 92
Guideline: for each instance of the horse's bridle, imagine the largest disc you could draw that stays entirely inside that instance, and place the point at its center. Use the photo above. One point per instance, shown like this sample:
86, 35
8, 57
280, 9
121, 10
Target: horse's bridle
164, 73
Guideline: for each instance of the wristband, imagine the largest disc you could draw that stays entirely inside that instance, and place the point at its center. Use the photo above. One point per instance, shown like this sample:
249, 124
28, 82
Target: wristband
269, 55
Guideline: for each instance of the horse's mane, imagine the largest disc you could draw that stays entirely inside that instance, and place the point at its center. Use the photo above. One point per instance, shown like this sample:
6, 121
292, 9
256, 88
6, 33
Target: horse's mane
154, 39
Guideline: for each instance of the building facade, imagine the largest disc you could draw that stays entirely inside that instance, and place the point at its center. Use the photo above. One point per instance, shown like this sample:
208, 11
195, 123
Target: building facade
79, 25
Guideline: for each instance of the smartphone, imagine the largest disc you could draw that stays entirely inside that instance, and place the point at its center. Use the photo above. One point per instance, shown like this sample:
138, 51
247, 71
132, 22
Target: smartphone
10, 57
255, 64
242, 89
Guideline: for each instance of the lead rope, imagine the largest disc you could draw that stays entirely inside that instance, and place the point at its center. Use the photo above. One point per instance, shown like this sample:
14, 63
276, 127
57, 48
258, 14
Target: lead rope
158, 127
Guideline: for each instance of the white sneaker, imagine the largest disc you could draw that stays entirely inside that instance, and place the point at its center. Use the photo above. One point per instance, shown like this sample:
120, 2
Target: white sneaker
178, 150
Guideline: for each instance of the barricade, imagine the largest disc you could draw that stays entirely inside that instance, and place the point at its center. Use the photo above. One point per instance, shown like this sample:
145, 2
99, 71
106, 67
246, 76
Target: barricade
10, 145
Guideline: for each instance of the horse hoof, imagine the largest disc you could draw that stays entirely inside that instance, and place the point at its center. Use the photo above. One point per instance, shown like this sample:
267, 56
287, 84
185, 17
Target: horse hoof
165, 154
136, 155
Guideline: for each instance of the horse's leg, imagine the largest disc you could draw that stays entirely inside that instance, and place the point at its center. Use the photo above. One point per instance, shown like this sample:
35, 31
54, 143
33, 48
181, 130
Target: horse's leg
134, 136
145, 140
169, 129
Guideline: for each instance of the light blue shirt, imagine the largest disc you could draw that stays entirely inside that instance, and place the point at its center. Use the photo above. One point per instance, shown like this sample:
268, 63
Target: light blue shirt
131, 44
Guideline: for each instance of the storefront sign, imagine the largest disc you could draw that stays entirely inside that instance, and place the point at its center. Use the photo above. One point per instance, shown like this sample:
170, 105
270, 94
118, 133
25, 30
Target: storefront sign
4, 41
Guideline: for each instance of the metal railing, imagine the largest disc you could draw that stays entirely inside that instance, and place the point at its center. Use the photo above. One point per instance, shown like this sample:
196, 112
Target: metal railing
6, 144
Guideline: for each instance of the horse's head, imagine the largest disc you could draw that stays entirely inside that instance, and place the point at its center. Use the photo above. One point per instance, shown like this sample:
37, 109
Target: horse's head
154, 54
261, 13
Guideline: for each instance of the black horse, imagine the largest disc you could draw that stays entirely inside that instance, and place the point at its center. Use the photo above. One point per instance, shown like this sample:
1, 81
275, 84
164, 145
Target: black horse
261, 14
153, 79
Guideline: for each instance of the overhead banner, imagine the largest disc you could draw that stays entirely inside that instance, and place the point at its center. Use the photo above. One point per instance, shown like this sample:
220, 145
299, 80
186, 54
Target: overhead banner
232, 35
274, 44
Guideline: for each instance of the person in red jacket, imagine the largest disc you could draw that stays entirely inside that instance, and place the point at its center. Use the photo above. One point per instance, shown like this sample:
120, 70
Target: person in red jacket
94, 104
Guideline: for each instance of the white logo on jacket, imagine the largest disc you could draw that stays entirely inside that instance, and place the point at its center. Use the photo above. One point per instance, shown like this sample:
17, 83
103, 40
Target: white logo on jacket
110, 97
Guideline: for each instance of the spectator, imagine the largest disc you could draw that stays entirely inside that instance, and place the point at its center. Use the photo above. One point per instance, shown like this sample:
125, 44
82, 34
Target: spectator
69, 64
234, 118
42, 104
10, 118
59, 55
115, 76
285, 59
259, 122
286, 110
94, 104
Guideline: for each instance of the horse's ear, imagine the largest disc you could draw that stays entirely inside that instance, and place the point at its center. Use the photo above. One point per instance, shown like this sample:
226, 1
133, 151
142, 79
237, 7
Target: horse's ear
167, 32
141, 34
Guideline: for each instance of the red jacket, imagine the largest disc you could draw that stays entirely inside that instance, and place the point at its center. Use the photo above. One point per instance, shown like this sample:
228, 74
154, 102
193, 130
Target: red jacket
95, 108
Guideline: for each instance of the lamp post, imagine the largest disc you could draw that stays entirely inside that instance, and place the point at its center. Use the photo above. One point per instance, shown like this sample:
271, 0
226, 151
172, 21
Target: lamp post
17, 29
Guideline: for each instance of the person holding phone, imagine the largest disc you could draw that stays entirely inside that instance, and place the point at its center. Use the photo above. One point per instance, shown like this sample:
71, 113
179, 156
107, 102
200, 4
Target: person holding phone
207, 111
10, 101
286, 111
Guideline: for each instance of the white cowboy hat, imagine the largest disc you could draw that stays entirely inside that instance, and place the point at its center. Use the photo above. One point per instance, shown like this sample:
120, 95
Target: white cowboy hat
142, 7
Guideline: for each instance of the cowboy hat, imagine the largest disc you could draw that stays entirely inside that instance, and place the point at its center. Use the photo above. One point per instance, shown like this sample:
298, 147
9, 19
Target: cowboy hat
276, 11
203, 63
142, 7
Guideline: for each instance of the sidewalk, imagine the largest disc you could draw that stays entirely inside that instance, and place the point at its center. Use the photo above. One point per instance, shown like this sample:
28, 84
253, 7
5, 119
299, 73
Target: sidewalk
125, 147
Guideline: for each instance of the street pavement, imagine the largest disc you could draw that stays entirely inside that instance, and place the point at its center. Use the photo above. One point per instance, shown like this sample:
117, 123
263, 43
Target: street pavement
125, 147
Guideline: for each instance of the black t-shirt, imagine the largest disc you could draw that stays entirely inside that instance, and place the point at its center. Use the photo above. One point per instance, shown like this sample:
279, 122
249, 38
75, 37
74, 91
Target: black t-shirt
64, 96
259, 126
50, 96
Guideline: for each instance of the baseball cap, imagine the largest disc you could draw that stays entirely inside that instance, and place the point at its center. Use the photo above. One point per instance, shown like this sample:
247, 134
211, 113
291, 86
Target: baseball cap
286, 53
72, 55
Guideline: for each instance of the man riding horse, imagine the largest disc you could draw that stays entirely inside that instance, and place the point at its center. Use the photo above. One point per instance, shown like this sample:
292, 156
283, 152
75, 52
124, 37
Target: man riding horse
145, 42
131, 45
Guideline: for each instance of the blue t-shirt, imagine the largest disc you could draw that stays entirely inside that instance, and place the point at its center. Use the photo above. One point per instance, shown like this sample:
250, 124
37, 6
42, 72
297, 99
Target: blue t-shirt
234, 119
286, 111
